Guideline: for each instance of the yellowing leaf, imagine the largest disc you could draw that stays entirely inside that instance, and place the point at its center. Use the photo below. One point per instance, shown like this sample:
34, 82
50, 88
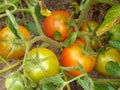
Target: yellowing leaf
44, 10
111, 19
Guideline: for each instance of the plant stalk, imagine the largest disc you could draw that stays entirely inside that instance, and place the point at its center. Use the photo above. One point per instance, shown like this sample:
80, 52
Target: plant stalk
10, 67
84, 12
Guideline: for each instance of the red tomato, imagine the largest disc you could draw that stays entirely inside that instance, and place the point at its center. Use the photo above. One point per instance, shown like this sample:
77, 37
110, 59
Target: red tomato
74, 54
8, 47
57, 21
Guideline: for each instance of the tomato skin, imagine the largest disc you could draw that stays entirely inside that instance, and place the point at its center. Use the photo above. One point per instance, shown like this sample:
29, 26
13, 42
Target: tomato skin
110, 54
6, 46
73, 54
46, 65
57, 21
14, 82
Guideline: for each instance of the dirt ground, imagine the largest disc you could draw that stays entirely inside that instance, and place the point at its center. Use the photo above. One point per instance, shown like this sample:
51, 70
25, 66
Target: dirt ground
96, 13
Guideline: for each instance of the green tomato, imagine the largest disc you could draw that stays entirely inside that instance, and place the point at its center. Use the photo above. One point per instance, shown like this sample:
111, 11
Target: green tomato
41, 63
110, 54
14, 81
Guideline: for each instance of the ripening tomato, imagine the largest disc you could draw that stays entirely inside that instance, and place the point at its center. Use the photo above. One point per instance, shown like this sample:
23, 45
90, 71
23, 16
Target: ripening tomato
74, 54
110, 54
41, 63
57, 22
9, 47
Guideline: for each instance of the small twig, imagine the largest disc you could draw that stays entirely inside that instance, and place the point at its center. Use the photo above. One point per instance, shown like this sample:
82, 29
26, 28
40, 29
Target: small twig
10, 67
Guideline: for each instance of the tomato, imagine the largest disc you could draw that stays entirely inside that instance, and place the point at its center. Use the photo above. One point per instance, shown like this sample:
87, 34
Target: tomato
14, 82
8, 46
41, 63
74, 54
91, 25
110, 54
57, 22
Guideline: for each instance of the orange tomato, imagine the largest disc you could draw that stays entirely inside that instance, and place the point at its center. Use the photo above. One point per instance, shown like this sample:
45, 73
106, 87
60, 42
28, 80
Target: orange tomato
74, 54
8, 46
57, 21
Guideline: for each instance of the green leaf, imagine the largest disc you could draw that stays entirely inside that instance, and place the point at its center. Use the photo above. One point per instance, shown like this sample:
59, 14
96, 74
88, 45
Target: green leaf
31, 26
111, 19
113, 68
70, 40
48, 87
57, 35
115, 44
38, 13
56, 80
104, 87
84, 84
12, 24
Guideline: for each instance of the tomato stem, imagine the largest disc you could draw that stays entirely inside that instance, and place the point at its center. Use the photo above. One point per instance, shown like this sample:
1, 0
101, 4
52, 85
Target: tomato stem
10, 67
84, 12
68, 85
45, 39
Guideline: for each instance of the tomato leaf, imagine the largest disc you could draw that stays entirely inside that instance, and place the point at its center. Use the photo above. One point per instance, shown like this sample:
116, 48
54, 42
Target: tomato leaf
103, 87
12, 24
56, 80
70, 40
38, 13
115, 44
86, 83
113, 68
110, 20
48, 87
57, 35
32, 27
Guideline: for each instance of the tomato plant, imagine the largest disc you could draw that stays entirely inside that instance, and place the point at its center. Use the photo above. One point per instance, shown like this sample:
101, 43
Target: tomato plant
41, 63
10, 47
110, 54
57, 23
74, 54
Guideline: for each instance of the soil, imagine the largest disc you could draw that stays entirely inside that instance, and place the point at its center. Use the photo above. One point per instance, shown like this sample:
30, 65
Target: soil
96, 13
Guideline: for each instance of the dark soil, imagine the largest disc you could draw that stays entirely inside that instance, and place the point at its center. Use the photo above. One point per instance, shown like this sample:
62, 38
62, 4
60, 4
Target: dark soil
96, 13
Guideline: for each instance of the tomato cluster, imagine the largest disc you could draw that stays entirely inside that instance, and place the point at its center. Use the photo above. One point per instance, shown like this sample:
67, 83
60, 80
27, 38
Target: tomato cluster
40, 62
